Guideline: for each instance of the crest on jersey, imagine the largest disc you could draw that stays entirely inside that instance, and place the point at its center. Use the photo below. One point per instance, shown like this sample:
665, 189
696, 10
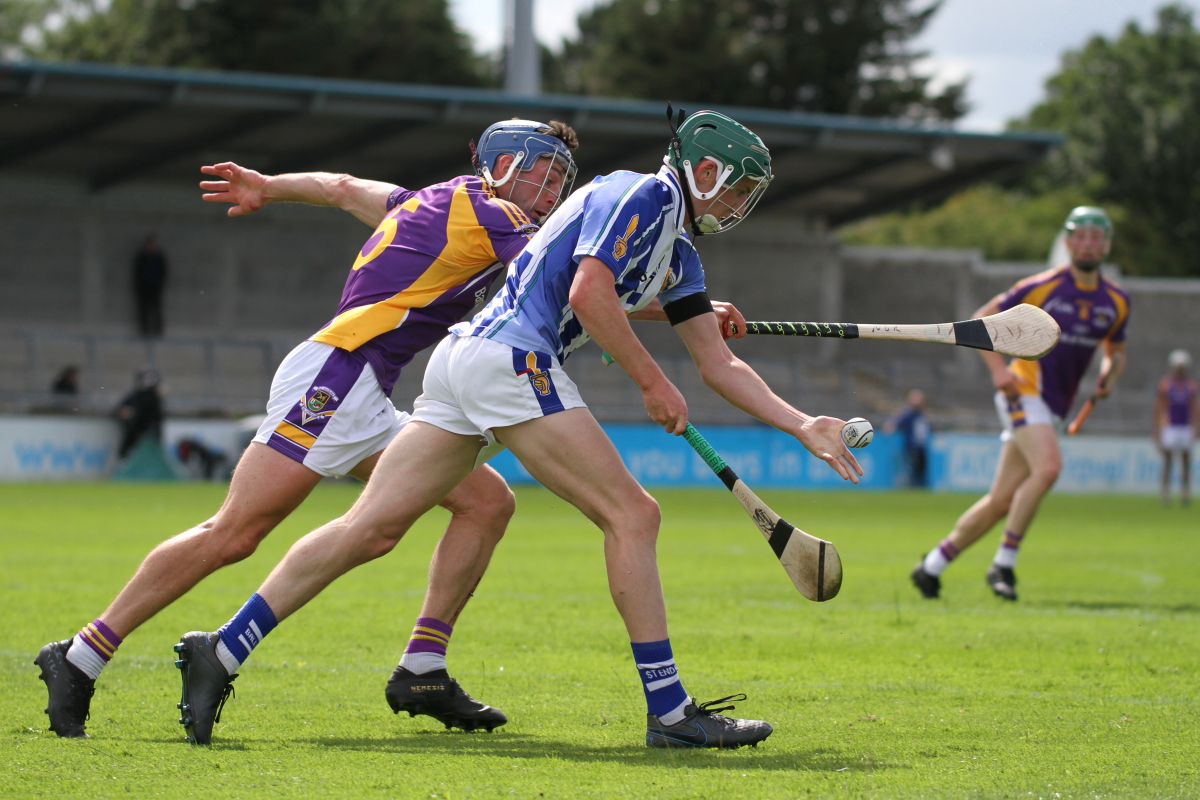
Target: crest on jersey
622, 247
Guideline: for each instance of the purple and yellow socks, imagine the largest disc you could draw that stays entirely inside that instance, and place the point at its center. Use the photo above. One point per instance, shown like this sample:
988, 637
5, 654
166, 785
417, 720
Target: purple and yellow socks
426, 650
665, 697
940, 557
92, 648
1006, 553
244, 632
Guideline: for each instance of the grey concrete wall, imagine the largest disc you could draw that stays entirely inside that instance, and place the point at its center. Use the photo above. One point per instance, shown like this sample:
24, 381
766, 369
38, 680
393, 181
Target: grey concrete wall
256, 285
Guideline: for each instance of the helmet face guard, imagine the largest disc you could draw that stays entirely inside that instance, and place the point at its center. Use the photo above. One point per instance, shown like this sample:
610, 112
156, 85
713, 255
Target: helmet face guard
739, 155
709, 223
526, 141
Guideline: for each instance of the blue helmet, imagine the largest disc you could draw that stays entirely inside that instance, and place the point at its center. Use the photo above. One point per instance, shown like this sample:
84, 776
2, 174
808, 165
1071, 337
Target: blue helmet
526, 141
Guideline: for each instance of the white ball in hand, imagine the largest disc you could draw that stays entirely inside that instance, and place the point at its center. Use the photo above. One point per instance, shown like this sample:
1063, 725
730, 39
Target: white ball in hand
857, 433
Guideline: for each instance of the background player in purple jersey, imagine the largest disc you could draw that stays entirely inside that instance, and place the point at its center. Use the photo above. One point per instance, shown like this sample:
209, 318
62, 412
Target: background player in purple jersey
1033, 397
1176, 419
432, 254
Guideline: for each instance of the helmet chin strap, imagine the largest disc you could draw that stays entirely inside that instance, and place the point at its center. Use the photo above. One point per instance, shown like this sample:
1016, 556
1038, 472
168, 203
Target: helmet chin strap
512, 170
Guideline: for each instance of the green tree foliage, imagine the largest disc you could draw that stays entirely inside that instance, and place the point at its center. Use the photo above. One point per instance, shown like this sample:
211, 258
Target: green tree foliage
813, 55
1007, 225
17, 19
1131, 110
413, 41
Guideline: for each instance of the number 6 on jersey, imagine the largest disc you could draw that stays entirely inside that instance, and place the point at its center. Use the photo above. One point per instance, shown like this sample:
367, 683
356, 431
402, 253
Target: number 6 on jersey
813, 564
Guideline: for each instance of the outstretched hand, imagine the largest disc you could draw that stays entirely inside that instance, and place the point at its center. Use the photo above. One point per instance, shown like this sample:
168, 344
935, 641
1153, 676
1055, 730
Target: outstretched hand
238, 185
822, 436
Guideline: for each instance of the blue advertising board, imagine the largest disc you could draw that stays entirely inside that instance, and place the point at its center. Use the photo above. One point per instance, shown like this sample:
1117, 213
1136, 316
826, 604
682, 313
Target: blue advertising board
762, 456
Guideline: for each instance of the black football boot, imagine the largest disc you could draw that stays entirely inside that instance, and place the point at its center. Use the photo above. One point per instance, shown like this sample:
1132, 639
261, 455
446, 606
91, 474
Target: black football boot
206, 685
702, 726
1003, 581
70, 690
930, 585
437, 695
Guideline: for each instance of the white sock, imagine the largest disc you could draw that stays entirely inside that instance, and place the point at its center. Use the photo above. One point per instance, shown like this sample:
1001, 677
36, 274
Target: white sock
676, 714
420, 663
227, 659
85, 658
935, 562
1006, 557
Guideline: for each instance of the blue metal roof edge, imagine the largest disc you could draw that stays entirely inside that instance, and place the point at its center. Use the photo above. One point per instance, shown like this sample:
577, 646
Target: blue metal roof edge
412, 91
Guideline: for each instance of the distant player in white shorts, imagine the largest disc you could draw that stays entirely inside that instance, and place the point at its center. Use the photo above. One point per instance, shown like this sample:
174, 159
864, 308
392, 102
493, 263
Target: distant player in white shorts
431, 260
613, 247
1033, 397
1176, 418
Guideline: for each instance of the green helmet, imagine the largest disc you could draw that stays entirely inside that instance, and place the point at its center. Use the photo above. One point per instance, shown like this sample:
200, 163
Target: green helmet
1089, 217
736, 149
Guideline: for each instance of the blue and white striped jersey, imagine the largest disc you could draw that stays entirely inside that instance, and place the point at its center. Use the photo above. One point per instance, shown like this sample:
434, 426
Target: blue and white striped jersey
630, 221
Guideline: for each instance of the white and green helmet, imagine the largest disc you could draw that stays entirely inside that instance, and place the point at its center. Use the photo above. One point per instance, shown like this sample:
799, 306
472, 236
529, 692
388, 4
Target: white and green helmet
1089, 217
738, 152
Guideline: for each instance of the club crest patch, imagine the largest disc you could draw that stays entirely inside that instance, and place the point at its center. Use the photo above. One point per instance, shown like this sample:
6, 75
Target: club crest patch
538, 379
317, 401
312, 407
622, 247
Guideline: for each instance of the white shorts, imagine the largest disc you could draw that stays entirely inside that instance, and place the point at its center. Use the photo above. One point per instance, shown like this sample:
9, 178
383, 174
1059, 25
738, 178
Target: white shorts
1176, 438
473, 385
327, 410
1031, 408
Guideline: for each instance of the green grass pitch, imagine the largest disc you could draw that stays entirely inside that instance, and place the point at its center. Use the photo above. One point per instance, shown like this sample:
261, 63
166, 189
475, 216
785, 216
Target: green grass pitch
1085, 688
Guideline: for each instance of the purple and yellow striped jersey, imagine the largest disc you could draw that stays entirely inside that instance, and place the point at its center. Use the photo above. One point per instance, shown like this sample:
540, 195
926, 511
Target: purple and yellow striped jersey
1087, 317
1180, 395
428, 263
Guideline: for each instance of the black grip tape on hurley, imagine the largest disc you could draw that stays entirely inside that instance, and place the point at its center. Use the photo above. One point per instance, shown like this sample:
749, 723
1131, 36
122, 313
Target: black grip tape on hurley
972, 333
835, 330
686, 308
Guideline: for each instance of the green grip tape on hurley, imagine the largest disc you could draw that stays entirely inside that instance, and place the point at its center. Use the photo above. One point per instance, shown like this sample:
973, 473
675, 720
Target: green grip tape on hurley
606, 358
704, 449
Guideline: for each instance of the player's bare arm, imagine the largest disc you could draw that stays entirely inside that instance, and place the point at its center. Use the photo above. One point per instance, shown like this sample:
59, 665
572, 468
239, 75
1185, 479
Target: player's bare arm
599, 310
733, 324
249, 191
1002, 379
1111, 367
742, 387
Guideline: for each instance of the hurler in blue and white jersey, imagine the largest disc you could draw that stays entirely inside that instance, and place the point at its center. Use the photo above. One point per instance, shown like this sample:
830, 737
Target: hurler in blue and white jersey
634, 223
610, 250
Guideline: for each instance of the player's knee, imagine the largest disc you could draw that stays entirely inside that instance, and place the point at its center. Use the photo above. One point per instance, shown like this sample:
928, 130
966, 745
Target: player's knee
238, 542
642, 517
491, 501
999, 504
1047, 472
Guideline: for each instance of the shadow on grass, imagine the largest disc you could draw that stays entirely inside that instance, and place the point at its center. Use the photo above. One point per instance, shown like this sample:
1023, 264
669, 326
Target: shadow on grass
537, 748
1117, 605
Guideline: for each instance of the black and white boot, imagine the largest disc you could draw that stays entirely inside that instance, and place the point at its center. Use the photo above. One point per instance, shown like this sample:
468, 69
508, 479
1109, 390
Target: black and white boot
702, 726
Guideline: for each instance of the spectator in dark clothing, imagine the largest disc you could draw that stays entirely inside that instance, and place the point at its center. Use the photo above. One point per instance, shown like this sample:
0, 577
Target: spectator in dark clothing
149, 279
140, 412
67, 381
913, 426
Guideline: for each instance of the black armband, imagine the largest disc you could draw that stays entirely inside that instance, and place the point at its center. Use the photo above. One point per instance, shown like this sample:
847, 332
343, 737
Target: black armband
685, 308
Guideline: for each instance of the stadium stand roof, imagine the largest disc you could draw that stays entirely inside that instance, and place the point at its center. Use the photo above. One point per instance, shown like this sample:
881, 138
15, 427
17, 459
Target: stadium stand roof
103, 125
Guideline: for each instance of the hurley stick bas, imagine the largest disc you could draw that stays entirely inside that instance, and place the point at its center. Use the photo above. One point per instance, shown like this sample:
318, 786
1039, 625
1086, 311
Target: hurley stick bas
813, 564
1023, 331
